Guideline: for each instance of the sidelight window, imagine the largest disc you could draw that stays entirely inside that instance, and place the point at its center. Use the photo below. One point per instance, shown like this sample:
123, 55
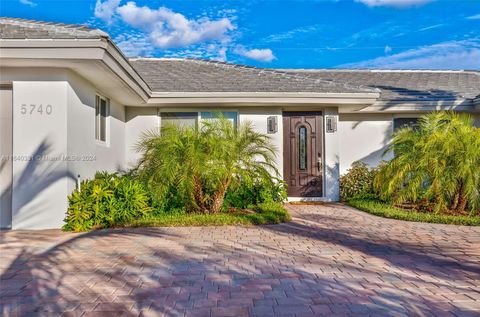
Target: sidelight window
302, 148
101, 114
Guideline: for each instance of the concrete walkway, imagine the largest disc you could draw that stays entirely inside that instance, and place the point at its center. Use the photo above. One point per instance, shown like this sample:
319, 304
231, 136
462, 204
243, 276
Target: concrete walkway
330, 260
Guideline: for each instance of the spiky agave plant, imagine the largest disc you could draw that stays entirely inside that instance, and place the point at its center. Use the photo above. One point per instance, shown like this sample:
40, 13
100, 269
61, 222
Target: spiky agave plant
201, 163
438, 161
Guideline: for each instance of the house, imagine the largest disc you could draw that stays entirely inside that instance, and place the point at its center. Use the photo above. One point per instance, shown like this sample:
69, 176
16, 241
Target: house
73, 104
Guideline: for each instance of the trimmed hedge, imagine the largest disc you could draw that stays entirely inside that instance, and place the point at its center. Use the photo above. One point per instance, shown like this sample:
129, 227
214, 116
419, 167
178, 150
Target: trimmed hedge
263, 214
385, 210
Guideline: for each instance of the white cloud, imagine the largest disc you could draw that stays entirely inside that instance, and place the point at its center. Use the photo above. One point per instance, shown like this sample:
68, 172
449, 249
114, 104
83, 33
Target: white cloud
393, 3
463, 54
474, 17
134, 45
215, 52
28, 3
261, 55
294, 33
175, 34
169, 29
106, 10
387, 49
431, 27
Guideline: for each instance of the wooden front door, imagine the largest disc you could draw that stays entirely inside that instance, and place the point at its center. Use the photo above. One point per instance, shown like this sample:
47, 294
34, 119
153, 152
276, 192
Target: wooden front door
303, 153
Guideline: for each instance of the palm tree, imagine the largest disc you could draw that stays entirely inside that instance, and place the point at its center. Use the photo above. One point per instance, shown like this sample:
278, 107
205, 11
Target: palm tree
201, 164
438, 161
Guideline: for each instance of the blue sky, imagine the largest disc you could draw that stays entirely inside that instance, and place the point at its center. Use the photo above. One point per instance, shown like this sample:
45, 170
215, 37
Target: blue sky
409, 34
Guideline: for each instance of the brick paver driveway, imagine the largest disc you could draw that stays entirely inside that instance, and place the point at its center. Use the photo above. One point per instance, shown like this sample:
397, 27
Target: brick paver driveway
331, 260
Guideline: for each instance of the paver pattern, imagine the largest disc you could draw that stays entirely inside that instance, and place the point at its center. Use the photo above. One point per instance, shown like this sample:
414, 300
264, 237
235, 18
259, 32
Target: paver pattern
330, 260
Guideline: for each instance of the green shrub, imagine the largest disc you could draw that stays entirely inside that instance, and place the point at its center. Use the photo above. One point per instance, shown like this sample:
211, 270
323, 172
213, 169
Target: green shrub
436, 164
358, 182
382, 209
195, 167
247, 194
107, 200
262, 214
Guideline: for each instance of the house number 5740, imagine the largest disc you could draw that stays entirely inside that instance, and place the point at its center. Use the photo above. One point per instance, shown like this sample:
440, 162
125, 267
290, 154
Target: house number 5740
36, 109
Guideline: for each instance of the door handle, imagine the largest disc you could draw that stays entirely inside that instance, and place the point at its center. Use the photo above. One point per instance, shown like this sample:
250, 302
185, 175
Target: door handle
319, 164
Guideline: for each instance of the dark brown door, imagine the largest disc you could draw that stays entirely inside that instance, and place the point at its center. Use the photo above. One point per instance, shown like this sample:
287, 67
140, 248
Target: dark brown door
303, 154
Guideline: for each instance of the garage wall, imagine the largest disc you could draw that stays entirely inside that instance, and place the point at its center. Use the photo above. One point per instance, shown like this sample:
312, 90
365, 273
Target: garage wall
6, 156
51, 147
363, 137
40, 143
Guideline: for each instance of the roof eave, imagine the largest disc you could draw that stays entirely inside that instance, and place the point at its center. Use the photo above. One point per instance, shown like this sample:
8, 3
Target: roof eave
261, 98
399, 106
102, 49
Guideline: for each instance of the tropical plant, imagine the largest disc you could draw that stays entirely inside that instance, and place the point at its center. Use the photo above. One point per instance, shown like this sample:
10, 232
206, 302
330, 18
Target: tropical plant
247, 194
358, 182
438, 162
201, 164
106, 201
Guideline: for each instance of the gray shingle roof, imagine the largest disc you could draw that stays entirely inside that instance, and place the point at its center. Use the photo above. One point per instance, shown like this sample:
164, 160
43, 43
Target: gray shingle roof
405, 85
192, 75
13, 28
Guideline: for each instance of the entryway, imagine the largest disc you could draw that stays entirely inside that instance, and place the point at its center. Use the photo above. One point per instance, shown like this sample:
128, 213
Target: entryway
303, 153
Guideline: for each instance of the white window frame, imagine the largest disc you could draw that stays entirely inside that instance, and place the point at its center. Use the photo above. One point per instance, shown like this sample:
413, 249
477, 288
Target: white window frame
98, 139
199, 114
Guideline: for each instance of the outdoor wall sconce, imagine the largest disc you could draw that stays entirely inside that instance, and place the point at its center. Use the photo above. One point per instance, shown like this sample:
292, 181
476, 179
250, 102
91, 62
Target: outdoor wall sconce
272, 124
331, 124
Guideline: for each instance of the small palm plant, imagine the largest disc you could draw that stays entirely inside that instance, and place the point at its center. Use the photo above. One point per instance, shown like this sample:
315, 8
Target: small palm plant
439, 161
200, 164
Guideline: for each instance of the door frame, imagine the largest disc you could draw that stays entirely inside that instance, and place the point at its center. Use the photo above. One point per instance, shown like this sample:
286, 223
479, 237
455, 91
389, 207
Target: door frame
322, 146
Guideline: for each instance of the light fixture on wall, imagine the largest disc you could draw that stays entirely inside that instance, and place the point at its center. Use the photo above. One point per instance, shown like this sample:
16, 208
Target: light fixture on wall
331, 124
272, 124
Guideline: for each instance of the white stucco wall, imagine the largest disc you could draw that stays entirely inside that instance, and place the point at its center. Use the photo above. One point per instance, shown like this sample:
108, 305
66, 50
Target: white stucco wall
363, 137
6, 99
40, 175
138, 120
258, 117
88, 155
51, 149
332, 158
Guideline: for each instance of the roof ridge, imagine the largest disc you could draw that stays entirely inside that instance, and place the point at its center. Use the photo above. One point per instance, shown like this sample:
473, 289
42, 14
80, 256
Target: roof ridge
49, 24
374, 70
267, 70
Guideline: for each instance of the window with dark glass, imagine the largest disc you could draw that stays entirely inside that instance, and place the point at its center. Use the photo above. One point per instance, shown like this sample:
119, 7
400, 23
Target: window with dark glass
399, 123
183, 119
302, 148
101, 113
